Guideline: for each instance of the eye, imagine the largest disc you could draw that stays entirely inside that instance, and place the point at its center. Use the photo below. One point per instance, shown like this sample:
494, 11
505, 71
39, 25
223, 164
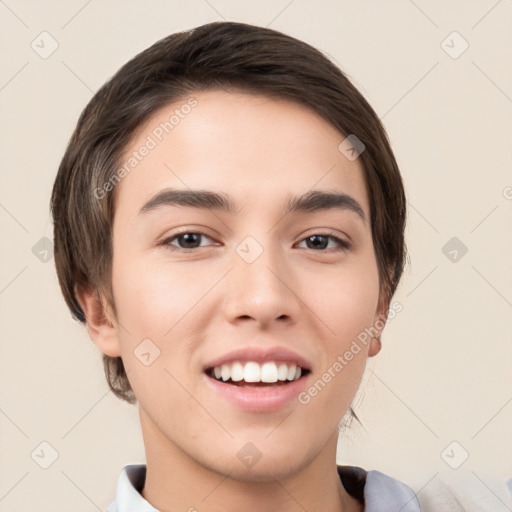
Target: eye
187, 240
320, 241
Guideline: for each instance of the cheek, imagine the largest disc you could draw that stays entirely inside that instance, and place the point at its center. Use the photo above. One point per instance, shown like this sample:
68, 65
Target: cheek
152, 295
348, 308
153, 302
347, 301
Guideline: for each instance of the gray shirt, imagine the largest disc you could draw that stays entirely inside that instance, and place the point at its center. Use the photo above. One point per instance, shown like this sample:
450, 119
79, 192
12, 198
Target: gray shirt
377, 491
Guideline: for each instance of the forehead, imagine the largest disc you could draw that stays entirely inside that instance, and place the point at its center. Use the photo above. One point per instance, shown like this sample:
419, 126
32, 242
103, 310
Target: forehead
255, 149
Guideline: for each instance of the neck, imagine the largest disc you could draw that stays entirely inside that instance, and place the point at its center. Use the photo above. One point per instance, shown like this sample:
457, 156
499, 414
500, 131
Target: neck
175, 481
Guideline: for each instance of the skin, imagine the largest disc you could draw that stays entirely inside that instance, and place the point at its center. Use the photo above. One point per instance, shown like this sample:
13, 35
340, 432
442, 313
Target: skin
313, 301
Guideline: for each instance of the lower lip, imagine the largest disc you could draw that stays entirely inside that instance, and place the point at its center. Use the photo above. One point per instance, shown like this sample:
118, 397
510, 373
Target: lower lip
264, 399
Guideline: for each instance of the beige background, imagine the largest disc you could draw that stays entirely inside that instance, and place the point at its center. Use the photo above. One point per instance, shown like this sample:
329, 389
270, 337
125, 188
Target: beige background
444, 373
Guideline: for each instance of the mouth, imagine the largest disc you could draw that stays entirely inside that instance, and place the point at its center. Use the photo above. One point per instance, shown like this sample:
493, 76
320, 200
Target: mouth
251, 374
258, 379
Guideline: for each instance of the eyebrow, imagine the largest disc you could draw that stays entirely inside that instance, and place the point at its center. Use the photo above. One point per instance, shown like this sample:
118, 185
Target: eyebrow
313, 201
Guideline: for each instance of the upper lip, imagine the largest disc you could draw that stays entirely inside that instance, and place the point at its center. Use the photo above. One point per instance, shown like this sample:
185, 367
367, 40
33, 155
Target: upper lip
259, 355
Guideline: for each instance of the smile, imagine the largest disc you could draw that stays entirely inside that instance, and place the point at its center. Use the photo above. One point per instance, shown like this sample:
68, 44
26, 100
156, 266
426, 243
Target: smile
251, 373
258, 379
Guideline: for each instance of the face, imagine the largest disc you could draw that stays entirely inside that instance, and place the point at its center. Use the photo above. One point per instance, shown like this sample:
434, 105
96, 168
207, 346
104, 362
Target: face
235, 325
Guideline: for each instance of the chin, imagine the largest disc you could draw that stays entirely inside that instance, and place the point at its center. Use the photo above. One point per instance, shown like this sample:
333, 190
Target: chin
261, 468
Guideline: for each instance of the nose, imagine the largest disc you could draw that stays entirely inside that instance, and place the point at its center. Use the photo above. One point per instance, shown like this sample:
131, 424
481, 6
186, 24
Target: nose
263, 290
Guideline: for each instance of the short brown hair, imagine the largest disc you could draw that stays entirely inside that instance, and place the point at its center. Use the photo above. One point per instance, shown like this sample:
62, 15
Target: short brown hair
227, 55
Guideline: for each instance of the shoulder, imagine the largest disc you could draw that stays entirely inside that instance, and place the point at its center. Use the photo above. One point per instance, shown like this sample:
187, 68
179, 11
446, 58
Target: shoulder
459, 492
385, 493
379, 492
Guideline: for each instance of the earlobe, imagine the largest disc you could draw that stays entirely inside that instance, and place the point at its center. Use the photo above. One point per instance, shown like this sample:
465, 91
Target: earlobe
375, 346
379, 323
101, 330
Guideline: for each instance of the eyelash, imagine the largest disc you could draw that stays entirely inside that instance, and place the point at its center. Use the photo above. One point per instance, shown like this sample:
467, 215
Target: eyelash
343, 244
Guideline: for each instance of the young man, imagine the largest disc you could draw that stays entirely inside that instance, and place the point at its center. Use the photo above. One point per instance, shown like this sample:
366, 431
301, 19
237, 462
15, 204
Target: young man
229, 224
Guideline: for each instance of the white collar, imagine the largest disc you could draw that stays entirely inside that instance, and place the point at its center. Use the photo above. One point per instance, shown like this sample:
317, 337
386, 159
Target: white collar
382, 493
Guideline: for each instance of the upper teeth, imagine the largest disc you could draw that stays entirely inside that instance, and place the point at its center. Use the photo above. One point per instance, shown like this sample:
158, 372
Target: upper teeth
254, 372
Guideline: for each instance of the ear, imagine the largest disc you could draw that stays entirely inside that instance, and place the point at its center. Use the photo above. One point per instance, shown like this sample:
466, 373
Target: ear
379, 322
102, 331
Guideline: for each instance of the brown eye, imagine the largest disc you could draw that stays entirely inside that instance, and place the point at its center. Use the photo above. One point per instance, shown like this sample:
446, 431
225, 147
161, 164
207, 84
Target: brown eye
186, 241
